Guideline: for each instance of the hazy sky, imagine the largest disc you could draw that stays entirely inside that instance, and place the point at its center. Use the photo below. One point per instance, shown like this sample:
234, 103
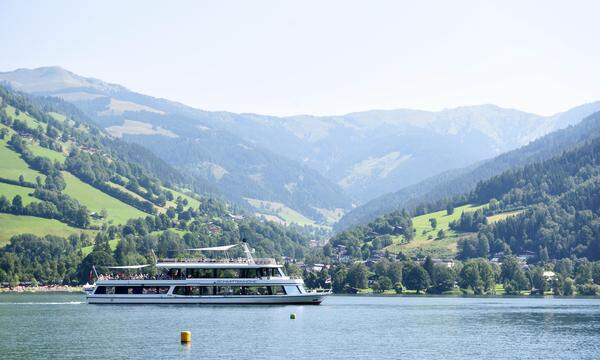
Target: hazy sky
319, 57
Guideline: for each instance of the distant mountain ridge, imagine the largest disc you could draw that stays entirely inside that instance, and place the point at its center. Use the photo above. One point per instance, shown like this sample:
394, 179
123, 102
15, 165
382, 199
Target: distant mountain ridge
311, 164
179, 135
461, 181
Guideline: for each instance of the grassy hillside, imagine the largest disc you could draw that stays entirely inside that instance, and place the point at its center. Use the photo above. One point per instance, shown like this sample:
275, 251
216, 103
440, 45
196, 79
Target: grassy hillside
12, 166
11, 225
426, 241
96, 200
278, 212
23, 116
10, 191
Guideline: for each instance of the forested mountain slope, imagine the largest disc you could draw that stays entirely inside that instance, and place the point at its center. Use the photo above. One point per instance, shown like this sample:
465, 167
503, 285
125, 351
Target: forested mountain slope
314, 165
561, 198
546, 210
193, 141
458, 182
71, 196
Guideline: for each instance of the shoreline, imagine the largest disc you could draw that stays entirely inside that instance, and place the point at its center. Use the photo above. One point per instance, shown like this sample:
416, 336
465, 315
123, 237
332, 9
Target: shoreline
58, 289
43, 289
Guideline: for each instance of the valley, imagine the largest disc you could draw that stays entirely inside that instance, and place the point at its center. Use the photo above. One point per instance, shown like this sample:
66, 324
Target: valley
331, 163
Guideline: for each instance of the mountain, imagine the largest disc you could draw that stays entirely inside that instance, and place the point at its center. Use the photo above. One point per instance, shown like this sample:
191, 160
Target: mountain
456, 182
312, 167
71, 177
194, 142
71, 197
557, 203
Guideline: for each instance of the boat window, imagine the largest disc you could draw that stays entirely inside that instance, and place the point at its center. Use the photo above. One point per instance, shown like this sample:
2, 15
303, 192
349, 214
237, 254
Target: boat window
237, 290
292, 290
152, 290
275, 272
179, 290
193, 290
249, 273
228, 273
201, 290
121, 290
200, 273
223, 290
256, 290
100, 290
277, 290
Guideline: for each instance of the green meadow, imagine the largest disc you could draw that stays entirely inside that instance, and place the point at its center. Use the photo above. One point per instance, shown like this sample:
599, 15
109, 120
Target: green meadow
30, 121
426, 241
18, 224
11, 165
95, 200
10, 191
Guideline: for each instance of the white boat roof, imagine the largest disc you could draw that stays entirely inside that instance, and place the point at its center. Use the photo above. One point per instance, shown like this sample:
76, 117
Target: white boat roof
214, 248
215, 265
127, 267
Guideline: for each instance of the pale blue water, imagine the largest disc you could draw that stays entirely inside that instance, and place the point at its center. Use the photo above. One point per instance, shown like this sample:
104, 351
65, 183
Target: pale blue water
64, 327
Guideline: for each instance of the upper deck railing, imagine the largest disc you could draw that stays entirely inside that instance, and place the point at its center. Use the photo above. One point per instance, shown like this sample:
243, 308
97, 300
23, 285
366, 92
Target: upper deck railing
240, 260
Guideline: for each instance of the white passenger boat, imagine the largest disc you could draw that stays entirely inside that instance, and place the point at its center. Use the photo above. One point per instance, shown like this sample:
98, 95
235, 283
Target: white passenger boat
206, 281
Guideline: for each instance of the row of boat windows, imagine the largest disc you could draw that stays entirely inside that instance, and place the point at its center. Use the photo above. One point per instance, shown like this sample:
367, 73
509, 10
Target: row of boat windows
228, 290
132, 290
224, 273
191, 290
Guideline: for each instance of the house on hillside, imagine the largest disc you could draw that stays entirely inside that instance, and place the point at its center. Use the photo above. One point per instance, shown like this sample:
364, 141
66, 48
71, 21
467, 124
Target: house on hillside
549, 276
449, 263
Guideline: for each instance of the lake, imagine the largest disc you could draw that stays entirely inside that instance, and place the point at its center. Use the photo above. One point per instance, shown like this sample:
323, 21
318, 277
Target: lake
47, 326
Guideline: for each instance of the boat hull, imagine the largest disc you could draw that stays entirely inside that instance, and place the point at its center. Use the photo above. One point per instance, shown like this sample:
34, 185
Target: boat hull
303, 299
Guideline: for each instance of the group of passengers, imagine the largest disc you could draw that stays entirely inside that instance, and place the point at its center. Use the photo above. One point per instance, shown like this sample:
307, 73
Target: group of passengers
123, 276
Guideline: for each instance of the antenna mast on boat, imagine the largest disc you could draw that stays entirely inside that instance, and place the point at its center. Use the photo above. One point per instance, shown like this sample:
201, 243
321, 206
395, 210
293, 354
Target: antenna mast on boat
247, 252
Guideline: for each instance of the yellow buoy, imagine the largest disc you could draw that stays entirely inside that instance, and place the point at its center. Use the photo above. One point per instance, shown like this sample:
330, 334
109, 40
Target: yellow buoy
292, 316
186, 336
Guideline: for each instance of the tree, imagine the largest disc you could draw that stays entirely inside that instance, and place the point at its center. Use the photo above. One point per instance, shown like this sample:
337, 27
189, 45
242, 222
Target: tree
384, 283
511, 273
596, 272
428, 265
395, 272
99, 257
557, 286
17, 204
339, 280
538, 282
327, 250
417, 278
568, 287
483, 246
433, 223
470, 278
564, 267
381, 267
583, 273
441, 234
449, 209
442, 279
21, 179
358, 276
543, 255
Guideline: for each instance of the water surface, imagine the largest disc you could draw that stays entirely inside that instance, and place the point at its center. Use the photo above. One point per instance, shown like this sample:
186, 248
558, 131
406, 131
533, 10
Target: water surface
50, 326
